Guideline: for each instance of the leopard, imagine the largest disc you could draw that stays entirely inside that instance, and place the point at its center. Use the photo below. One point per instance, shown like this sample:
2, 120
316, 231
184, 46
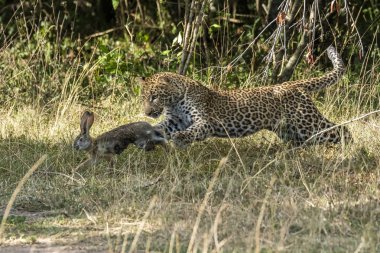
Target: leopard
193, 112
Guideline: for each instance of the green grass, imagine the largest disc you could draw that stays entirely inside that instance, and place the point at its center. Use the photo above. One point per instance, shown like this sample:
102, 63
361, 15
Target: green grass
323, 198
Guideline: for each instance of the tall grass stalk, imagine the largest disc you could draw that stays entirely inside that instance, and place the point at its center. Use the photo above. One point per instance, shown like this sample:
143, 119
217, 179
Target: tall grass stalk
17, 191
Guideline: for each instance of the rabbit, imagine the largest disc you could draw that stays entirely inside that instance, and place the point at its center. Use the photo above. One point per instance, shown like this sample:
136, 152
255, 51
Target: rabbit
115, 141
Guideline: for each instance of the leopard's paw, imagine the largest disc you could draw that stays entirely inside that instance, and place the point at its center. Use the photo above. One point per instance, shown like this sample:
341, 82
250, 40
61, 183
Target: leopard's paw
180, 140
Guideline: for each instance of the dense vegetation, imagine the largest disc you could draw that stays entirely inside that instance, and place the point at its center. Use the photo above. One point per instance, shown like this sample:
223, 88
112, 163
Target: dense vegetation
58, 58
102, 44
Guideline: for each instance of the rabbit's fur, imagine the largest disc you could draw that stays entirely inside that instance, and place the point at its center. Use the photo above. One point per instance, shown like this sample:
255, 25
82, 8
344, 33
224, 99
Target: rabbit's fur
115, 141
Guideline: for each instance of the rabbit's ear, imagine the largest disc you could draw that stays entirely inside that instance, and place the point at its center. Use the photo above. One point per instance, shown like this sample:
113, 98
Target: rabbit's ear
86, 122
90, 121
83, 121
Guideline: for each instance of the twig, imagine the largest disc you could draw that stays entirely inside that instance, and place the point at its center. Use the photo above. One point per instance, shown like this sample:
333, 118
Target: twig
261, 215
249, 179
218, 220
194, 36
282, 54
361, 50
189, 14
98, 34
287, 72
293, 59
85, 162
16, 192
139, 230
222, 162
234, 61
361, 245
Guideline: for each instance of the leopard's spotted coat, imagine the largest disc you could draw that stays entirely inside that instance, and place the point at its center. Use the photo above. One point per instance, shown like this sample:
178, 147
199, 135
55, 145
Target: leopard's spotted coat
194, 112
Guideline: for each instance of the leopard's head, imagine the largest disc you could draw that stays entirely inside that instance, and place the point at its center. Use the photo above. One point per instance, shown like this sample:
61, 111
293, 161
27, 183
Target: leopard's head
160, 91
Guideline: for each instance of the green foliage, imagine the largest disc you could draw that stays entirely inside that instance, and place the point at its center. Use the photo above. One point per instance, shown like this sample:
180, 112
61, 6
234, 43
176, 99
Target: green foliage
39, 70
115, 4
48, 58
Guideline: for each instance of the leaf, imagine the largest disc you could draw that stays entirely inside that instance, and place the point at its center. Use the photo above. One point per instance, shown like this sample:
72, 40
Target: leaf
310, 59
166, 52
217, 26
281, 18
214, 27
334, 6
115, 4
177, 40
103, 48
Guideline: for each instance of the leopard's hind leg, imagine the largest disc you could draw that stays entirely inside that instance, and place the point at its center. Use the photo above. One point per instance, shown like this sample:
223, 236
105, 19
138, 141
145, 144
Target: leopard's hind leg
316, 134
304, 124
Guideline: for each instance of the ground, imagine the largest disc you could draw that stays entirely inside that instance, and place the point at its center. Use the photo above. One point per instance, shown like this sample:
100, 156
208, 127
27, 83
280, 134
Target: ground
254, 193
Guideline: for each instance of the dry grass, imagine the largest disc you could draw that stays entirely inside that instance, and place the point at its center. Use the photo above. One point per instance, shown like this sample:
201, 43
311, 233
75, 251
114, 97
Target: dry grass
323, 198
219, 195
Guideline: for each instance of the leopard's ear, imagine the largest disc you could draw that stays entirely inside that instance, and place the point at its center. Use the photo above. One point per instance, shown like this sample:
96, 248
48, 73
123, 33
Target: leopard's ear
165, 79
140, 80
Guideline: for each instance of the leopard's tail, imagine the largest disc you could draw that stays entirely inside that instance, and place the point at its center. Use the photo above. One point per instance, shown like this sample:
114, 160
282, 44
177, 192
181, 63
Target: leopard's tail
329, 78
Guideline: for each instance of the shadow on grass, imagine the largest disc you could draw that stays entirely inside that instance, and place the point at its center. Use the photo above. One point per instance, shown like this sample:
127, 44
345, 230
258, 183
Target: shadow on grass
78, 205
58, 182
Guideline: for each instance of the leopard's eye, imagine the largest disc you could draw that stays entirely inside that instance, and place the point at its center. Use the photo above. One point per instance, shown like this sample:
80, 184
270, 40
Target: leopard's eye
153, 98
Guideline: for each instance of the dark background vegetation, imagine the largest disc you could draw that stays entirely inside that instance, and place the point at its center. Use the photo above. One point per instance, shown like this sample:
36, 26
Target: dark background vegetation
234, 41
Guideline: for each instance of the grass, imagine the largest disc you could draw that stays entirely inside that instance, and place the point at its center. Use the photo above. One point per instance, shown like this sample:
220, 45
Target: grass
243, 195
313, 199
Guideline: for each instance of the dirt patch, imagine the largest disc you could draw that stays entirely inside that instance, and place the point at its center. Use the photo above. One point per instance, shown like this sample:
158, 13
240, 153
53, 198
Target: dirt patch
39, 248
31, 240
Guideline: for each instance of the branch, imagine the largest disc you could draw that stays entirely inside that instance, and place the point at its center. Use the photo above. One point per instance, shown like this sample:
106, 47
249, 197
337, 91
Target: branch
189, 14
194, 36
287, 72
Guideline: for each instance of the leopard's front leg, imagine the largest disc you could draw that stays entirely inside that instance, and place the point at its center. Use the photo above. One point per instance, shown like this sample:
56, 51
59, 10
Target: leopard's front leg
166, 127
196, 132
171, 125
